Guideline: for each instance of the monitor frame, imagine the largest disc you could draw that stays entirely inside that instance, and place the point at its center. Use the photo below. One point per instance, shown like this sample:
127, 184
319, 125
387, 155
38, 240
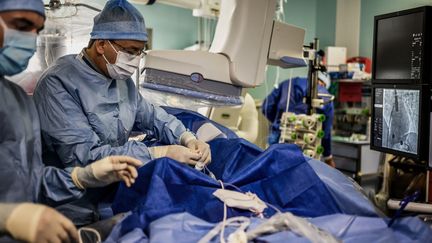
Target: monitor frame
423, 123
426, 53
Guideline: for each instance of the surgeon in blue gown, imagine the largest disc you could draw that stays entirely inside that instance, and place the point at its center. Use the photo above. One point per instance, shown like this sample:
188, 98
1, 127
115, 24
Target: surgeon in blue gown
89, 105
25, 181
275, 104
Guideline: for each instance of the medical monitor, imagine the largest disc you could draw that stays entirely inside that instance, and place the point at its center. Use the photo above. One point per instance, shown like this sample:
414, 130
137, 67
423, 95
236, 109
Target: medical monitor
400, 120
402, 47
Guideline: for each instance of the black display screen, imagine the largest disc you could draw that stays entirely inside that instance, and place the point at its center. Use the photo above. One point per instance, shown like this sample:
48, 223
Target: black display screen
399, 42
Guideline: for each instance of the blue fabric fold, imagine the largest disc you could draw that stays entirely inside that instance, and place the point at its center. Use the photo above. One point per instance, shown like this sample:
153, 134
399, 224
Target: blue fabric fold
280, 176
172, 202
184, 227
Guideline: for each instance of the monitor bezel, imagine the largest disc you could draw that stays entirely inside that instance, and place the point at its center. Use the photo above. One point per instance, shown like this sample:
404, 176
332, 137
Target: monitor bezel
426, 63
423, 123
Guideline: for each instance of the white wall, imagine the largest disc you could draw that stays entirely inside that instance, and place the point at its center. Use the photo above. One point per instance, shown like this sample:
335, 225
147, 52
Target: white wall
348, 26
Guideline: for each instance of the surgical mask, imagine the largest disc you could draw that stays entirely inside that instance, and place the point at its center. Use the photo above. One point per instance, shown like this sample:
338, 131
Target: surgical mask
18, 48
124, 66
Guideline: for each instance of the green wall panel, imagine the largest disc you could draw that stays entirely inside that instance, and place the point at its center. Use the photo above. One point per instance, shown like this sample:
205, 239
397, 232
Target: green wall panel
173, 28
371, 8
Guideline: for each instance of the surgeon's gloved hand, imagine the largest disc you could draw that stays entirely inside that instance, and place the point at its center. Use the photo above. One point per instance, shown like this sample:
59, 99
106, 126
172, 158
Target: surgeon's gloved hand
189, 140
106, 171
330, 161
176, 152
37, 223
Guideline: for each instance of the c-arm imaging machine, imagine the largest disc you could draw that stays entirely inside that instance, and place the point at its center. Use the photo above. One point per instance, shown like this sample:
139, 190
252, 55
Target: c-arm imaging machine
247, 38
201, 8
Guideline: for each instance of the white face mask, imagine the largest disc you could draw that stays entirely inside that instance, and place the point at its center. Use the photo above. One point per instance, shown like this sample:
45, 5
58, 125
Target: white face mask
124, 66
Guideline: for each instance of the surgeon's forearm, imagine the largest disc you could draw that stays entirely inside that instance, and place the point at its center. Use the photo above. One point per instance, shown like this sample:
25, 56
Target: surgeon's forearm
132, 148
58, 186
155, 121
5, 211
86, 154
173, 129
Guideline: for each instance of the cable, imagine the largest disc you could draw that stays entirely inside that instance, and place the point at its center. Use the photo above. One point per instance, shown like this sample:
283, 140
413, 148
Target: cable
69, 15
235, 187
289, 91
56, 5
347, 225
273, 207
221, 236
206, 169
276, 83
98, 237
88, 6
268, 204
243, 224
264, 105
280, 13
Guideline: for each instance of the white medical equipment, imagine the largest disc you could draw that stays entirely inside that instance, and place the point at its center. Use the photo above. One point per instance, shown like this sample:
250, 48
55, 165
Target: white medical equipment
243, 120
208, 132
201, 8
247, 38
306, 130
300, 226
247, 201
277, 223
66, 31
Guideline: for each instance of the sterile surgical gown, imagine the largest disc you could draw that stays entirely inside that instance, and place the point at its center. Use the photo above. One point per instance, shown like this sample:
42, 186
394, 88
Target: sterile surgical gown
23, 176
86, 116
275, 104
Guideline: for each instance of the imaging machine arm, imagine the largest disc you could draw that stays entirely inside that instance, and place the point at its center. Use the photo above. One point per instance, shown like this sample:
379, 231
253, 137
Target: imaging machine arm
247, 38
201, 8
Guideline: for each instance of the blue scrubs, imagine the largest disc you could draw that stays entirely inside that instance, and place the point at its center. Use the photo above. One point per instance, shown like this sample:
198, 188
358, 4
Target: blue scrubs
86, 116
275, 104
23, 175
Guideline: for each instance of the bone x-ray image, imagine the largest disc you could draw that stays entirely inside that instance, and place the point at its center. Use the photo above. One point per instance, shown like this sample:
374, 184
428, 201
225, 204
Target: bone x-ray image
400, 119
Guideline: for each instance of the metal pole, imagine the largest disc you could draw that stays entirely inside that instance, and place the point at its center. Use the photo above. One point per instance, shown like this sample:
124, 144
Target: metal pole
316, 67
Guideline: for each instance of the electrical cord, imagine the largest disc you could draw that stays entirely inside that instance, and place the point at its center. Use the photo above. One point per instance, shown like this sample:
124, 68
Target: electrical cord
95, 232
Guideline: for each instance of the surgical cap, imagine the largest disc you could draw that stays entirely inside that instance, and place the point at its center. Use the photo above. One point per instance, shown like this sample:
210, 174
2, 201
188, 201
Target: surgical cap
119, 20
26, 5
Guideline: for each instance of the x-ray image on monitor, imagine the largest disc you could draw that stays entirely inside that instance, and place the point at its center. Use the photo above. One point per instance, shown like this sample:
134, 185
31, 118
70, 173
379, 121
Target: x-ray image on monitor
396, 120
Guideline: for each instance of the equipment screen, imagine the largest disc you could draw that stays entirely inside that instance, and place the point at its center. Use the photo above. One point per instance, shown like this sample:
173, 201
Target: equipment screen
396, 119
399, 46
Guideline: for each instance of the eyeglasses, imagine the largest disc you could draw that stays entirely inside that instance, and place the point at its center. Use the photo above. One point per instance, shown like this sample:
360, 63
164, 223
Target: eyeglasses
131, 51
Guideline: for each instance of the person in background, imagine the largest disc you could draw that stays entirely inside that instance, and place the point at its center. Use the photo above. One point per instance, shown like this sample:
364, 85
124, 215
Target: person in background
275, 104
89, 105
24, 179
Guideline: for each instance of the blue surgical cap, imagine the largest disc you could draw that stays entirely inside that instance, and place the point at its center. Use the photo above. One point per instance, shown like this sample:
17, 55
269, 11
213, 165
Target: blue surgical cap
26, 5
119, 20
